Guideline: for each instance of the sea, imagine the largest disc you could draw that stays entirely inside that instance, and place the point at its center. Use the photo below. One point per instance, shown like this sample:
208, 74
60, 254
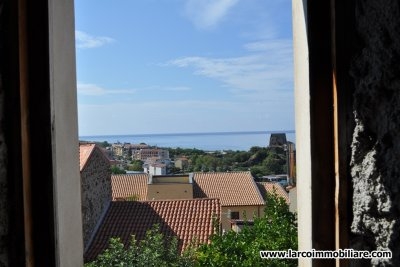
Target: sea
210, 141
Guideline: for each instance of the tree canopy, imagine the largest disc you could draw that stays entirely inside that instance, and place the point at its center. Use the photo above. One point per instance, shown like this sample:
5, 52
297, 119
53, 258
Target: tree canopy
259, 160
276, 230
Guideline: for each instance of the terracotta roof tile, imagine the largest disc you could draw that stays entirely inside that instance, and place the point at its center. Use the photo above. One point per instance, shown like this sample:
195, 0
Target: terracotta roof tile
232, 188
269, 187
129, 185
185, 219
85, 150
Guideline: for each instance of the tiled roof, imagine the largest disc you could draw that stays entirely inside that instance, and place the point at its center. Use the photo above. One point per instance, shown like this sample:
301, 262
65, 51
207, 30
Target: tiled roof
85, 150
186, 219
232, 188
269, 187
129, 185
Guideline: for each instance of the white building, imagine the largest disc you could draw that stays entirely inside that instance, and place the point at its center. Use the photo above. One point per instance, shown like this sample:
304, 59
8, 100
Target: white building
155, 168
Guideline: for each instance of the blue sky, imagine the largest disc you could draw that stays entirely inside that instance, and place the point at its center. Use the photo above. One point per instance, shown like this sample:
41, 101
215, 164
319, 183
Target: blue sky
181, 66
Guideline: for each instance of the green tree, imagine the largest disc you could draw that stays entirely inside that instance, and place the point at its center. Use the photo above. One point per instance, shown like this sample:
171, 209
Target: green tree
173, 169
277, 230
154, 250
258, 171
104, 144
116, 170
136, 165
274, 164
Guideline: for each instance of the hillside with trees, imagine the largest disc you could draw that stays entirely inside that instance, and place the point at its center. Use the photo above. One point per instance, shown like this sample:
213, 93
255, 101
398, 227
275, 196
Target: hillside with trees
259, 160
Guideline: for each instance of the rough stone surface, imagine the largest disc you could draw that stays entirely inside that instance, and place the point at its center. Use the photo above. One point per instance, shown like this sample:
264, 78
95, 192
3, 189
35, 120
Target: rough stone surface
96, 191
375, 166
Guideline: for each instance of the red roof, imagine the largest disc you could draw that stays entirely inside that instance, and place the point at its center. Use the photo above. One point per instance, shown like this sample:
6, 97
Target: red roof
270, 187
186, 219
85, 150
129, 185
232, 188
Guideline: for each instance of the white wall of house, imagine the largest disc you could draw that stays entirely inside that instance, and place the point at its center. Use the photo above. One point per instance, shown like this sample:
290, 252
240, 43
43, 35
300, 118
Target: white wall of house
155, 170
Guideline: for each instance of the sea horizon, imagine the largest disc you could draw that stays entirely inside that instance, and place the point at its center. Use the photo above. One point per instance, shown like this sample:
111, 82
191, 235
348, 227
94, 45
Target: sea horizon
209, 141
192, 133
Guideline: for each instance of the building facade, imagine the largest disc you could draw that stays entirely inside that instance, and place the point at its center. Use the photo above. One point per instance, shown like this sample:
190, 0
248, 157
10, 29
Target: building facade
95, 187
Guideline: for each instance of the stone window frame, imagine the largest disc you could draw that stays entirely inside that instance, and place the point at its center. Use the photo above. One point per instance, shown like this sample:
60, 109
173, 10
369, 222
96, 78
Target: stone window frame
41, 133
323, 38
45, 38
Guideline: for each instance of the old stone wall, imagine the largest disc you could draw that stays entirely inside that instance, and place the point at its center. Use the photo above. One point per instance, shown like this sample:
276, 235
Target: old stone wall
96, 192
375, 161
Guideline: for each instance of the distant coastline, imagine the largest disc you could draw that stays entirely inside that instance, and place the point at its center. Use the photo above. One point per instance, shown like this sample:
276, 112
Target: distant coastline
209, 141
193, 134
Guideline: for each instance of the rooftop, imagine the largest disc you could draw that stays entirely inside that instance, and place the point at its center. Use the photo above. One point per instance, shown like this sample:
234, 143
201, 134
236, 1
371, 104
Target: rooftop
85, 150
232, 188
188, 220
125, 186
270, 187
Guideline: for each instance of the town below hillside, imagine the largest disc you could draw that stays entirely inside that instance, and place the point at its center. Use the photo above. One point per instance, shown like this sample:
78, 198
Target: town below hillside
197, 197
262, 162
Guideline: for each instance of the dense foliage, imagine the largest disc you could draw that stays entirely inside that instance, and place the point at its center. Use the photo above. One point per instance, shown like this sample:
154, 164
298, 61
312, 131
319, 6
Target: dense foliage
276, 230
136, 165
117, 170
103, 144
259, 160
154, 250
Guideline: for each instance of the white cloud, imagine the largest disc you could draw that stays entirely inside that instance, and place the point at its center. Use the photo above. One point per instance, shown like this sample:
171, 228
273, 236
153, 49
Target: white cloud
95, 90
84, 40
267, 68
179, 88
208, 13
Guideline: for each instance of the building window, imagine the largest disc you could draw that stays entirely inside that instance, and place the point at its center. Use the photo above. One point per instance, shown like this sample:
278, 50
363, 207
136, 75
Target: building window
235, 215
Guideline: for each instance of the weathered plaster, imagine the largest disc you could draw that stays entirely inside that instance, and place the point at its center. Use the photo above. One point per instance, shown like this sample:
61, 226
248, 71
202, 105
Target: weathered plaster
303, 132
375, 166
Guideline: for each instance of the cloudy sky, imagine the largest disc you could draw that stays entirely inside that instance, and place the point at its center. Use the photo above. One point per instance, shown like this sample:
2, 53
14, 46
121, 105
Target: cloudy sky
182, 66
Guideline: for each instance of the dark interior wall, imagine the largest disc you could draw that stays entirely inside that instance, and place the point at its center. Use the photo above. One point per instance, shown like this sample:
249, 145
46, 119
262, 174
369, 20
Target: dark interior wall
25, 20
3, 157
375, 166
3, 185
321, 127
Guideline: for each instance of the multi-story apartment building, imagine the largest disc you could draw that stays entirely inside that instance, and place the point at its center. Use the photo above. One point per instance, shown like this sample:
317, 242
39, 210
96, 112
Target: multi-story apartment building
118, 149
145, 153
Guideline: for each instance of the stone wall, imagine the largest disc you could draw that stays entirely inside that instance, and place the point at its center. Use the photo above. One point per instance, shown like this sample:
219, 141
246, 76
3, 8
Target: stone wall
375, 162
96, 192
